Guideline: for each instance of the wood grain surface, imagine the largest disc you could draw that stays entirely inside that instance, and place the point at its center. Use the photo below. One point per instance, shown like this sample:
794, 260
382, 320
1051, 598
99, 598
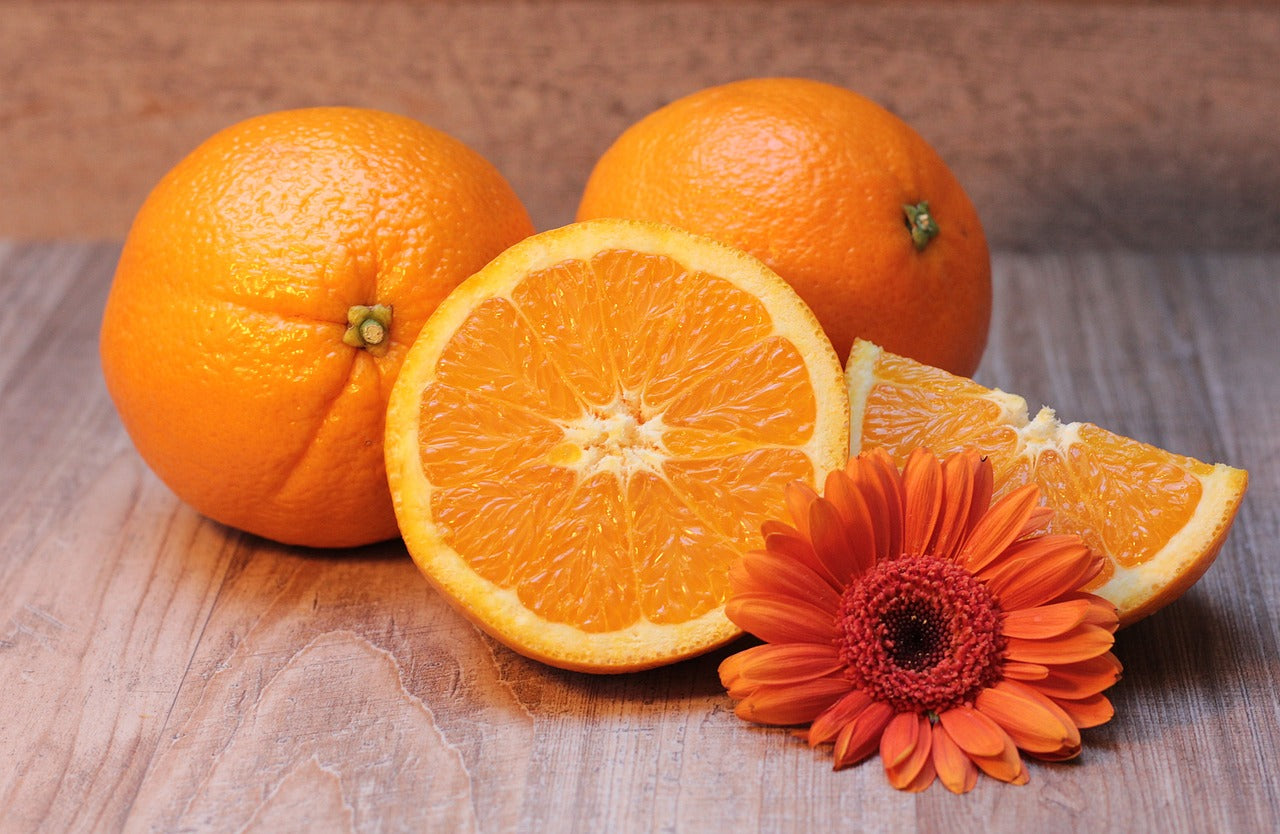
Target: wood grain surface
1131, 124
159, 672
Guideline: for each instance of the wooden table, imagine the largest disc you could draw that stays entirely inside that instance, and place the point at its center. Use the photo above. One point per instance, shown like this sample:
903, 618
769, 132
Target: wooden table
159, 672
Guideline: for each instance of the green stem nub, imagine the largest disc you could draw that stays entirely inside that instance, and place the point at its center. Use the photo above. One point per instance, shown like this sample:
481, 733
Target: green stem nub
921, 223
369, 328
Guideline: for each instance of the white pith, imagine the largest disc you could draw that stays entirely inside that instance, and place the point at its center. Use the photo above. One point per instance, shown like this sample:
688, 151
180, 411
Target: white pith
618, 439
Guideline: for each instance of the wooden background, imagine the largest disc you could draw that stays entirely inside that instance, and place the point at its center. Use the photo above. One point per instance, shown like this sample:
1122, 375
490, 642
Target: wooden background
1137, 124
159, 672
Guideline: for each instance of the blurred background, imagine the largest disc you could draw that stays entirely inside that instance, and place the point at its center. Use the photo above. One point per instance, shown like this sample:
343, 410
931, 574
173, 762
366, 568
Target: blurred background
1102, 125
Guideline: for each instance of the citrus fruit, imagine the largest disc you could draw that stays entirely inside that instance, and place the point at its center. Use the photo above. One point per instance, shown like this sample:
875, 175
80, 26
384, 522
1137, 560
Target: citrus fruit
839, 196
1157, 517
266, 295
589, 431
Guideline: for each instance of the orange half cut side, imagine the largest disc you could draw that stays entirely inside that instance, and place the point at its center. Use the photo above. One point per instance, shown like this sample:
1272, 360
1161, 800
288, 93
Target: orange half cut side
591, 429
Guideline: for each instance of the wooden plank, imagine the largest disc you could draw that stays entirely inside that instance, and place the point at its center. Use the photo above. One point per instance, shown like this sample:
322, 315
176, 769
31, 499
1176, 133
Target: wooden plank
1138, 125
326, 692
1176, 351
101, 600
162, 672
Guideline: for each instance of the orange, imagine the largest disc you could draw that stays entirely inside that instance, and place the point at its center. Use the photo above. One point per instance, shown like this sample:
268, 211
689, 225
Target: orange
591, 430
839, 196
1159, 518
265, 297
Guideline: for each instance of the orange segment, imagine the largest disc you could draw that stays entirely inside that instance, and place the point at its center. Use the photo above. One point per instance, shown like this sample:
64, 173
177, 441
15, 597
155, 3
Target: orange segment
1160, 491
579, 569
743, 489
907, 404
692, 353
469, 437
761, 394
680, 555
641, 293
562, 304
1159, 518
489, 359
591, 429
519, 508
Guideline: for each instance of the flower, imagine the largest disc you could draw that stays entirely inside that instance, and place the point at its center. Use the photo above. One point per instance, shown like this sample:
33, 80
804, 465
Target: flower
907, 613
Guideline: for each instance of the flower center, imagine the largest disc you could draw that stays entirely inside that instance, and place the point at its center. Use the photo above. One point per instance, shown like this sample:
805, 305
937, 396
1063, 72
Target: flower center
913, 636
920, 633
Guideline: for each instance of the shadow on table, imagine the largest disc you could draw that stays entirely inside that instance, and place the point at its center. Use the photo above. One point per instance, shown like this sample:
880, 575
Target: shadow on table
1186, 662
1183, 664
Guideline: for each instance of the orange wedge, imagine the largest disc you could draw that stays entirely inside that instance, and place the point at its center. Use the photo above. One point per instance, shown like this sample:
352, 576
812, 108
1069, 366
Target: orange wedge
589, 432
1158, 518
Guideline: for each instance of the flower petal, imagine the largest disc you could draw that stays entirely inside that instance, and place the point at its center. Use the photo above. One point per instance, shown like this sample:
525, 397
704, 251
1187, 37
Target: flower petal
1042, 577
922, 489
899, 739
956, 770
1037, 521
764, 571
791, 703
1080, 643
976, 734
906, 766
798, 549
1035, 723
957, 496
1080, 679
829, 724
861, 736
1045, 620
1020, 671
876, 478
891, 488
983, 488
1007, 766
1101, 612
1066, 754
777, 663
1091, 711
730, 669
780, 619
799, 496
839, 554
923, 779
856, 518
1031, 547
838, 489
772, 526
998, 528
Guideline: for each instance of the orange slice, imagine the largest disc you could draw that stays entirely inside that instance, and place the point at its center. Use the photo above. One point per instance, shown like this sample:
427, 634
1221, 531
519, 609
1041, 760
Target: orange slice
590, 430
1159, 518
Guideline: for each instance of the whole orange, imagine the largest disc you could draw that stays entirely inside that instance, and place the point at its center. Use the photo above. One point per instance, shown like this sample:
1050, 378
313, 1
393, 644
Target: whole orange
839, 196
266, 295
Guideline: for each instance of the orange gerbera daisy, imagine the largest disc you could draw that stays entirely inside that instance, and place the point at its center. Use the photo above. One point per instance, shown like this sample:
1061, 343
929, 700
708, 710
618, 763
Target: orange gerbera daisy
905, 612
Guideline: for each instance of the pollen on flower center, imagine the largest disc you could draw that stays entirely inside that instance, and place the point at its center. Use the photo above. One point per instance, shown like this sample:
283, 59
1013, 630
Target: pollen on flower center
914, 635
920, 633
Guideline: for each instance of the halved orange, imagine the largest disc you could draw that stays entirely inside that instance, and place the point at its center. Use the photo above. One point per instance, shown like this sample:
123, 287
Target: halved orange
589, 432
1159, 518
